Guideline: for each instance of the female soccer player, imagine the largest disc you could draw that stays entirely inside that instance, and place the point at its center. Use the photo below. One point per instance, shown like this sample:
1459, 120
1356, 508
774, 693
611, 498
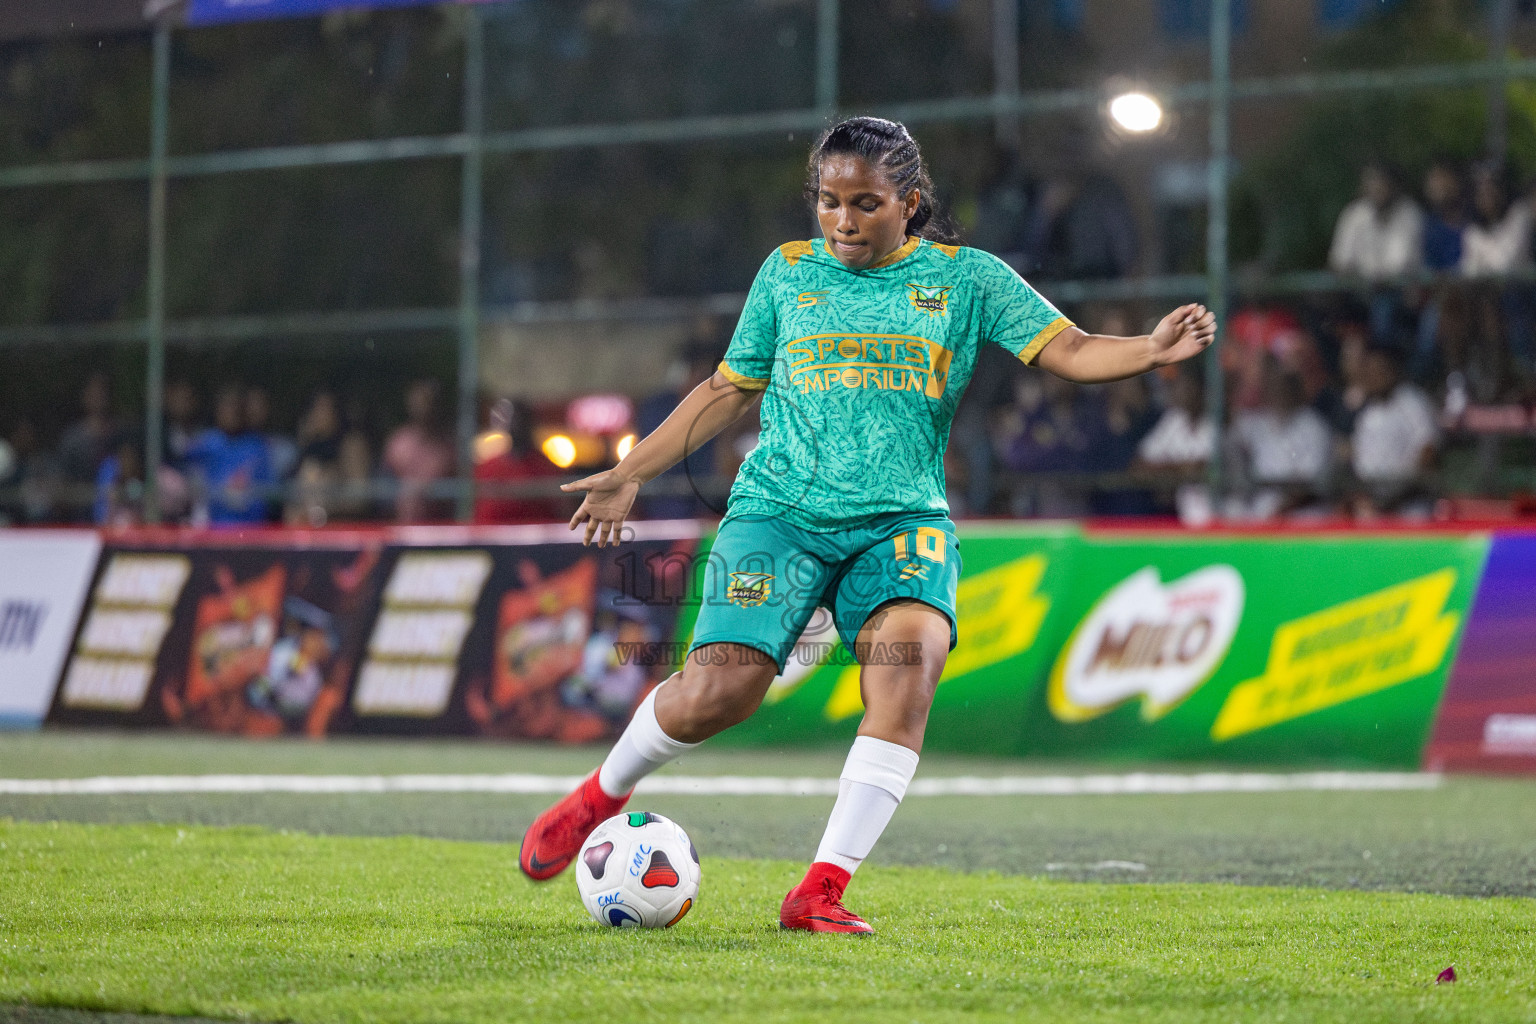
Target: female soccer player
859, 345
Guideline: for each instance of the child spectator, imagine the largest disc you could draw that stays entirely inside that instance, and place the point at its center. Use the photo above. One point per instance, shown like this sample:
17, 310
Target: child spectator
1394, 439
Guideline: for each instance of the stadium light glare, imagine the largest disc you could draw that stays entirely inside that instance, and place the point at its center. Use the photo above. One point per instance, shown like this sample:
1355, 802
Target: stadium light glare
1136, 112
560, 450
625, 445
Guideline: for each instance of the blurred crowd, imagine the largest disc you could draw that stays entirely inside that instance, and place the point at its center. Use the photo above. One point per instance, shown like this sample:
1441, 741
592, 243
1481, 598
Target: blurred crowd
1451, 273
1341, 405
232, 466
1299, 435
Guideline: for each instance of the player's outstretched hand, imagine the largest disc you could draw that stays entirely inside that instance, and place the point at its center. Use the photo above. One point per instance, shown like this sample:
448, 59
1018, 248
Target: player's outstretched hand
1187, 331
610, 495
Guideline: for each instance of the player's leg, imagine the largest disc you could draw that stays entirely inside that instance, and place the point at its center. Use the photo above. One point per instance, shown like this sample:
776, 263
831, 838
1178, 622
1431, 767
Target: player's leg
909, 582
897, 687
754, 607
704, 698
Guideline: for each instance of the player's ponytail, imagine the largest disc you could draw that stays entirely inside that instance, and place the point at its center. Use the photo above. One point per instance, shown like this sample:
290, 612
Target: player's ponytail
890, 147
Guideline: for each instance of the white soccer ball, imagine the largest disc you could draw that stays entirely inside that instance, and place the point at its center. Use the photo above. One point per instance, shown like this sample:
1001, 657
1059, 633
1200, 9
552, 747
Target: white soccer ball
638, 870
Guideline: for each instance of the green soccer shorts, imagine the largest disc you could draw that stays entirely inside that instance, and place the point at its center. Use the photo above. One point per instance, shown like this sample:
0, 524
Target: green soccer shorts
764, 578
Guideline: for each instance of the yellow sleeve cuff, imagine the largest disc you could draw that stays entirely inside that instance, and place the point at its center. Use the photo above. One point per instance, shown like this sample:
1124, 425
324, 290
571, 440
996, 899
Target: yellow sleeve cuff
1042, 339
745, 383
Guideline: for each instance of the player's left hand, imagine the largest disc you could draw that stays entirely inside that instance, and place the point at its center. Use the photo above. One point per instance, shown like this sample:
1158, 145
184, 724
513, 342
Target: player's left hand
1187, 331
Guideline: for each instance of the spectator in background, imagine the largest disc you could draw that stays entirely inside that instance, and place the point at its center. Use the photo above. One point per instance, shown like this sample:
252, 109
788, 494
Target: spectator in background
1497, 243
505, 454
1184, 441
85, 443
317, 475
180, 420
232, 464
1283, 451
120, 496
419, 454
1126, 417
1445, 216
36, 476
1445, 221
1048, 429
1394, 439
1380, 237
282, 452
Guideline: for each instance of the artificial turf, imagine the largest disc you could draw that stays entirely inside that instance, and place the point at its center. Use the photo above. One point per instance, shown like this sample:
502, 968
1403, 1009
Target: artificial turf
256, 924
1469, 836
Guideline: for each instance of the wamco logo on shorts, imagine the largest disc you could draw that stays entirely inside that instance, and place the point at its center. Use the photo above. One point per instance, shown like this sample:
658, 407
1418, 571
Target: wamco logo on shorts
1148, 639
749, 589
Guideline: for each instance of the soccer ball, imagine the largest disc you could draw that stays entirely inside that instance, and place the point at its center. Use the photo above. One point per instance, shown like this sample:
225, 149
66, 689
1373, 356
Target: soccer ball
638, 870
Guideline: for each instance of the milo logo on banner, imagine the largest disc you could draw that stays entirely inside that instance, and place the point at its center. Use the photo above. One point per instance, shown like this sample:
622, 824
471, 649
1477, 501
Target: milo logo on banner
1148, 639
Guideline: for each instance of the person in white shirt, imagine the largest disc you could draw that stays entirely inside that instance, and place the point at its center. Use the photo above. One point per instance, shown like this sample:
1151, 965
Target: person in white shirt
1498, 240
1379, 236
1183, 439
1285, 449
1498, 243
1395, 439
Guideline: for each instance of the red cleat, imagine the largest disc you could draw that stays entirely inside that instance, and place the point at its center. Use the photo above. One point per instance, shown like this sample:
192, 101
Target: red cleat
816, 904
555, 837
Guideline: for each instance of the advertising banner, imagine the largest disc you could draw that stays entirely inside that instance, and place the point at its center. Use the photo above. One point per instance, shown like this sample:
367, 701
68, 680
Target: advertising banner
1267, 649
537, 640
543, 641
249, 640
43, 579
1487, 720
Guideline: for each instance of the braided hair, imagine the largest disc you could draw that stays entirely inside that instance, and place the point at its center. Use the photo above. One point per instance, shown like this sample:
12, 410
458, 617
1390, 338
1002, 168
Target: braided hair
886, 145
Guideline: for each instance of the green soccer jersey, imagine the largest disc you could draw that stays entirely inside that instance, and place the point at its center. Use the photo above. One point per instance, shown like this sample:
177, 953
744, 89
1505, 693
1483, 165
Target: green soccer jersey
862, 371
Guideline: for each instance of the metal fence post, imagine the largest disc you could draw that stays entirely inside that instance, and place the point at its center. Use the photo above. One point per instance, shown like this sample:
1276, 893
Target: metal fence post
1216, 241
470, 212
1005, 72
1499, 16
826, 57
154, 369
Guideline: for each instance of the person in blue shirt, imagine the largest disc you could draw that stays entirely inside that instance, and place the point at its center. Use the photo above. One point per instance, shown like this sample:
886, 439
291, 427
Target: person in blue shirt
234, 463
1445, 221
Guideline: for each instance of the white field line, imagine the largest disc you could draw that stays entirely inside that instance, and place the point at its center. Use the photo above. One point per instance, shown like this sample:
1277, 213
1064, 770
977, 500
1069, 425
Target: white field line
730, 785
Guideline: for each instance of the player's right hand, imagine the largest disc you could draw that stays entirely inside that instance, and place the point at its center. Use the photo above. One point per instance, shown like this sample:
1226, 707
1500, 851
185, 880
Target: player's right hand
610, 495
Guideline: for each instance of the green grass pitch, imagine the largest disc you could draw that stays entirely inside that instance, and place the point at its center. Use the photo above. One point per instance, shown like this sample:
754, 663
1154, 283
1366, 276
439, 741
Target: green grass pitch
251, 913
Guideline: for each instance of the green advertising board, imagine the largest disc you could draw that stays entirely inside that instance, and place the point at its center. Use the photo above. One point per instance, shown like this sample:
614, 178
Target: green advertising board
1273, 649
1269, 648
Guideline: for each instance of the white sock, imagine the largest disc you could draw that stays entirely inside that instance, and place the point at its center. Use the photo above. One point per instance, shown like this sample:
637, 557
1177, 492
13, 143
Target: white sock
642, 749
875, 778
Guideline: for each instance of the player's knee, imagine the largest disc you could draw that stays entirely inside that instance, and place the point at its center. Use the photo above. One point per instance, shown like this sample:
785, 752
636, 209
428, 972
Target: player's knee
717, 696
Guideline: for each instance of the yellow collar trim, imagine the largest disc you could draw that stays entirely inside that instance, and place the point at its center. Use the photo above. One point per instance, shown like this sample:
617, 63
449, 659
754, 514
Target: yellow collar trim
897, 256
